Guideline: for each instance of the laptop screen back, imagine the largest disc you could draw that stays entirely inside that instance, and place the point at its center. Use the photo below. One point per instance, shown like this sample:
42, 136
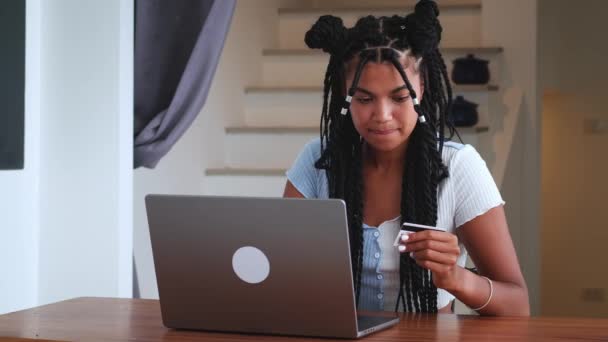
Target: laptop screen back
260, 265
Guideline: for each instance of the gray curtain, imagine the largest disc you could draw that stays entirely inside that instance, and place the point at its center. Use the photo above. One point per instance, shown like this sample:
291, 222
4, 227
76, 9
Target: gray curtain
177, 48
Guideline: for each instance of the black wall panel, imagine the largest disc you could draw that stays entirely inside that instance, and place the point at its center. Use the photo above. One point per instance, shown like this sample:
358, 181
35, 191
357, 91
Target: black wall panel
12, 83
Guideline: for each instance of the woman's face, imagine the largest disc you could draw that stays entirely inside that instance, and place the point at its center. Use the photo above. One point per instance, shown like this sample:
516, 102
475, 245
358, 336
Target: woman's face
382, 109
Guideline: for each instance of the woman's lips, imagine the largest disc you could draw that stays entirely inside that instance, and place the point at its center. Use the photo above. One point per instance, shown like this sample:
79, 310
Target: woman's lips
382, 132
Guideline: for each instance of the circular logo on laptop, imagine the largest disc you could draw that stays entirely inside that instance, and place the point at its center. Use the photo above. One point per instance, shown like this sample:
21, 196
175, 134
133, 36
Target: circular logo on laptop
250, 265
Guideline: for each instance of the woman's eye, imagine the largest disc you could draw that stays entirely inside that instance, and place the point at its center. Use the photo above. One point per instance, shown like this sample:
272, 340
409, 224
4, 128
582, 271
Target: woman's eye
401, 99
364, 100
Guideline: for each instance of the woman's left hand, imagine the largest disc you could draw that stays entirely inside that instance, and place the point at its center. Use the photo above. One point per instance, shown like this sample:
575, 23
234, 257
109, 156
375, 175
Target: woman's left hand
436, 251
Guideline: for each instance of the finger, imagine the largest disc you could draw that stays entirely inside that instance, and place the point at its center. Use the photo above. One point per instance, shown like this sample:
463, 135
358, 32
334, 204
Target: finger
432, 266
438, 246
434, 256
432, 235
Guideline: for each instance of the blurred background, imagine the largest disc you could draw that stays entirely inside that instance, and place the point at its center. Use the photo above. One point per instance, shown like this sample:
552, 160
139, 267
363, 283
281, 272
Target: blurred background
72, 215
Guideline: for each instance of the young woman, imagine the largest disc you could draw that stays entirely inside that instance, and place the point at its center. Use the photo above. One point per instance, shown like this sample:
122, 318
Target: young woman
382, 150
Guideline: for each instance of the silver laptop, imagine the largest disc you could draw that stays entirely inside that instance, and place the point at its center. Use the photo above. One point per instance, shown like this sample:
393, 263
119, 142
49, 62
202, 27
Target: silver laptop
256, 265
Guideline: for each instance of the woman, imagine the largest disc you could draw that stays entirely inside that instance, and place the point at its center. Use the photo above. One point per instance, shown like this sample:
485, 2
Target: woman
382, 150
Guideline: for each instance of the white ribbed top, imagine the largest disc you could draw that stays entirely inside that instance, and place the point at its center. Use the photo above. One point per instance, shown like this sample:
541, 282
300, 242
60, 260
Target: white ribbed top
468, 192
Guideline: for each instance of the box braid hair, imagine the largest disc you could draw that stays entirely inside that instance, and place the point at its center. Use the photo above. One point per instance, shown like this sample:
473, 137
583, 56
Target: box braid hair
378, 40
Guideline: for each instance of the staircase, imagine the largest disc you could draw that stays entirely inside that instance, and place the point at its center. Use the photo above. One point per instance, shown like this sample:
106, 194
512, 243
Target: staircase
282, 113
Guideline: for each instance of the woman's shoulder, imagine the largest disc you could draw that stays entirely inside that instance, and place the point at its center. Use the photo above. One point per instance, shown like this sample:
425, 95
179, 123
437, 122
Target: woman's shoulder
304, 175
313, 148
451, 149
470, 184
457, 155
308, 155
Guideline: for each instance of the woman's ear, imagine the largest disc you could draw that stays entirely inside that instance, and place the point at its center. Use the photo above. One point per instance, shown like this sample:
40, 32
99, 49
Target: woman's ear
415, 68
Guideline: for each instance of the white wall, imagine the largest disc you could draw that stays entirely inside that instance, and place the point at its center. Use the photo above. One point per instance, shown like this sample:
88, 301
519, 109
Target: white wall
179, 172
19, 191
202, 146
516, 140
572, 62
68, 215
85, 157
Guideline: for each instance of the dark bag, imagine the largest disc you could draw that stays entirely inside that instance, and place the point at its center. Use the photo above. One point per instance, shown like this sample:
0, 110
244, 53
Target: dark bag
470, 70
464, 113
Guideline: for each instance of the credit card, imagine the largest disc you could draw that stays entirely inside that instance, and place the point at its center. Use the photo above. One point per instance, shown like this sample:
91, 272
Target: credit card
413, 228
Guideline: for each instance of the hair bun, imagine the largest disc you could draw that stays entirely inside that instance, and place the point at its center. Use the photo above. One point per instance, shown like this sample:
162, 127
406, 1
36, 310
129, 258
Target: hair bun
328, 34
423, 27
427, 8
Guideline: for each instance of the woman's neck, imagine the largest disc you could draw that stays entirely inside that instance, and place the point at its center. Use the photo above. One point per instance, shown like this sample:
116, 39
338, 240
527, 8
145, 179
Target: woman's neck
386, 162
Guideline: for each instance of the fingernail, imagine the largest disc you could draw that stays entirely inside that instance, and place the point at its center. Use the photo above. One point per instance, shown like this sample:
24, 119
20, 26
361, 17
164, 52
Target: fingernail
401, 248
404, 237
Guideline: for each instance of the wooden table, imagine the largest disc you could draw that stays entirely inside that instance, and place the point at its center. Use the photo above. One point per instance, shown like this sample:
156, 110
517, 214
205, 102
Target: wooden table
110, 319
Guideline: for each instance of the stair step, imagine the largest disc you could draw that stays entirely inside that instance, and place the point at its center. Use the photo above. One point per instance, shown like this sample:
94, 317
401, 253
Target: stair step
267, 147
464, 5
271, 130
298, 106
318, 90
384, 3
257, 172
306, 67
315, 129
461, 22
282, 107
478, 50
244, 182
249, 148
283, 89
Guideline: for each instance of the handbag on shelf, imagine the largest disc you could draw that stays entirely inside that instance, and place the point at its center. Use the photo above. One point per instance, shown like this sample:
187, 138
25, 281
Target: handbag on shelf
464, 113
470, 70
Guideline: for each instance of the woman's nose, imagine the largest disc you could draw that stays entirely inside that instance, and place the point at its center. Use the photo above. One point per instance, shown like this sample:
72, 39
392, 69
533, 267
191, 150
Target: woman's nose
383, 111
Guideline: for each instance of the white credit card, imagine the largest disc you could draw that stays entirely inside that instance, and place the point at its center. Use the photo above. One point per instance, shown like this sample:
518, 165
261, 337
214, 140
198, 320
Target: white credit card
413, 228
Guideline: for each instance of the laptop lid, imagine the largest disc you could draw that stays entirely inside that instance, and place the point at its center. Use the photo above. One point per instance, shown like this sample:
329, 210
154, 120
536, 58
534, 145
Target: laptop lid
254, 265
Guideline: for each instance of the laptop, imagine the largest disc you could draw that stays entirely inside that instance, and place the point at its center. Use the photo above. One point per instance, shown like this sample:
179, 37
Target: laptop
256, 265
